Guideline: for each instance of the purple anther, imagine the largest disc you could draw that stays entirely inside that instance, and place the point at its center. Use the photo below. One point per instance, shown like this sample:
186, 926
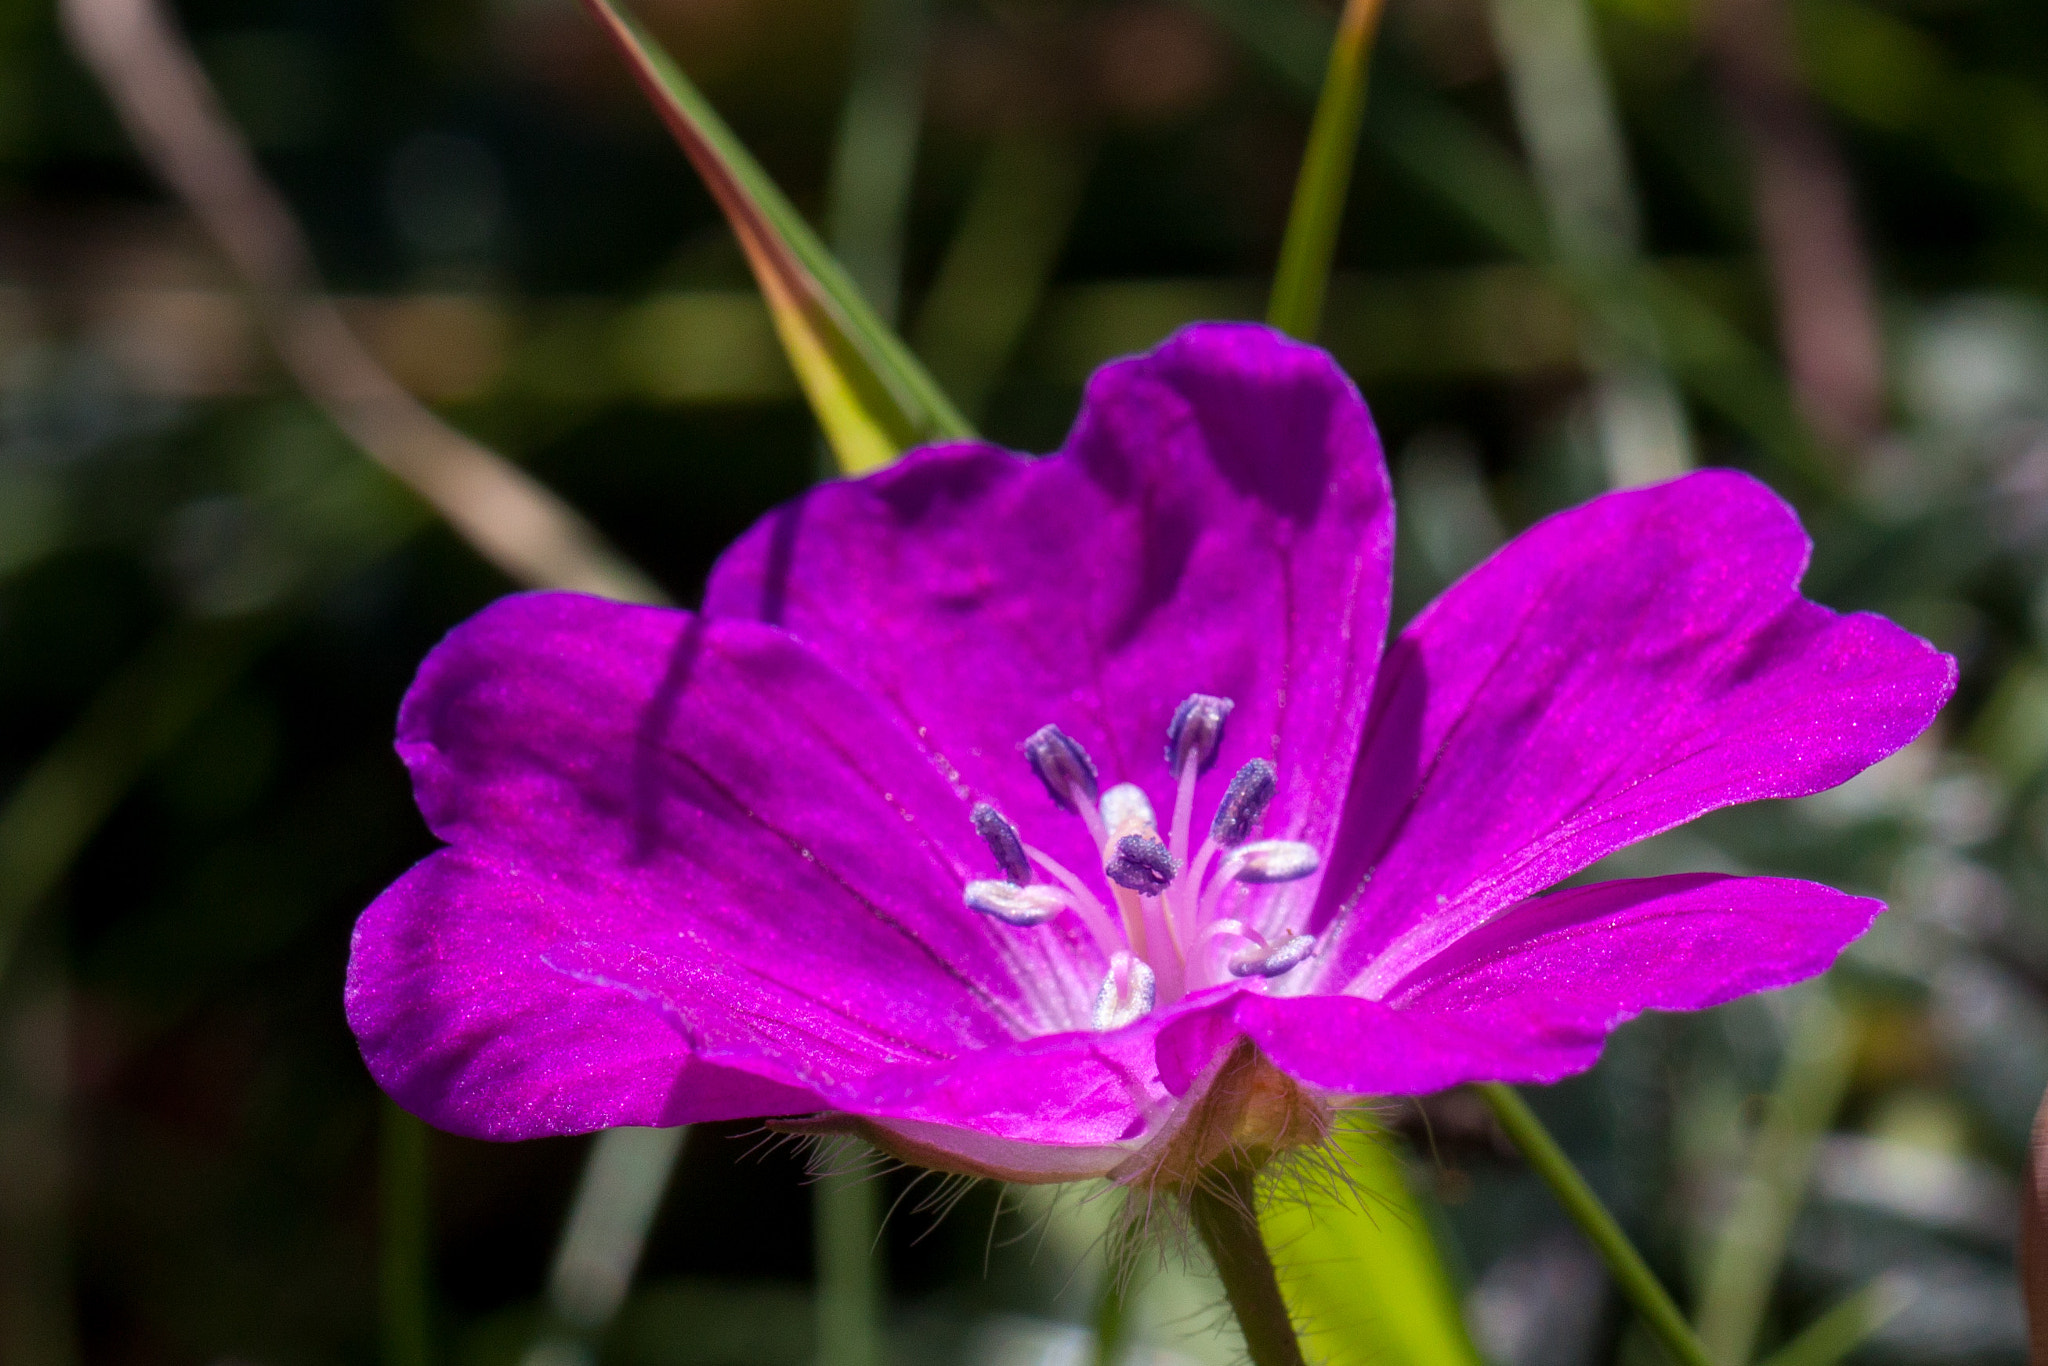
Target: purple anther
1001, 838
1250, 793
1142, 864
1196, 731
1063, 766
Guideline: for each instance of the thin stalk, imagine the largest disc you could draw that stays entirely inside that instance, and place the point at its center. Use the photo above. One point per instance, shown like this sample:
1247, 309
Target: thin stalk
875, 156
848, 1209
1122, 1283
1626, 1265
1112, 1317
403, 1237
806, 286
1226, 1217
172, 111
1845, 1327
874, 160
994, 274
1751, 1247
1303, 276
625, 1176
1444, 149
1565, 110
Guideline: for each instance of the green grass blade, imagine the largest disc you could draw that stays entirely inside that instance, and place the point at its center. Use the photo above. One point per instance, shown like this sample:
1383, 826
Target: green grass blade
1311, 241
1743, 1268
992, 280
874, 158
1845, 1327
871, 395
1631, 1273
1445, 150
1360, 1270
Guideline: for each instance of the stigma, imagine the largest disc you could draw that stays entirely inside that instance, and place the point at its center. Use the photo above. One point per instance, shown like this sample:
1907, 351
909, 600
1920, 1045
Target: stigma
1168, 918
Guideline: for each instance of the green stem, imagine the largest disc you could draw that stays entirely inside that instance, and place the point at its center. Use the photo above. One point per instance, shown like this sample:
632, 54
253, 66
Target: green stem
848, 1210
404, 1235
1112, 1316
1226, 1217
1311, 241
1626, 1265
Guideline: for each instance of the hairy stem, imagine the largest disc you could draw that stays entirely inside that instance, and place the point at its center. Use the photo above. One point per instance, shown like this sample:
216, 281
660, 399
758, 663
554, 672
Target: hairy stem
1227, 1219
1626, 1264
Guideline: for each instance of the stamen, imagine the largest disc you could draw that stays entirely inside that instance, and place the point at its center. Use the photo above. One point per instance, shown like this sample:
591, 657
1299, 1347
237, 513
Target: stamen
1128, 993
1126, 810
1244, 802
1086, 904
1003, 842
1063, 766
1142, 864
1196, 732
1291, 953
1264, 861
1015, 905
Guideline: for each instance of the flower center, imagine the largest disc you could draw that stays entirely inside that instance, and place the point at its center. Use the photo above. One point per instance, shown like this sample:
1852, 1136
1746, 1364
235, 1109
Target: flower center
1169, 922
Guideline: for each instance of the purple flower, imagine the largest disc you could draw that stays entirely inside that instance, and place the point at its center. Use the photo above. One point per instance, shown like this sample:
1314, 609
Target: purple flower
1052, 818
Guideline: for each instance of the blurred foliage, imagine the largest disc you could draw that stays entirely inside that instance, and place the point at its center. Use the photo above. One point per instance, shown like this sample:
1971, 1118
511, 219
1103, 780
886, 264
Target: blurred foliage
210, 604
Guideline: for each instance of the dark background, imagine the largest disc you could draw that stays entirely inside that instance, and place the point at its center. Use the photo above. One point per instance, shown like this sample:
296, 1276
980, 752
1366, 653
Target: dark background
210, 604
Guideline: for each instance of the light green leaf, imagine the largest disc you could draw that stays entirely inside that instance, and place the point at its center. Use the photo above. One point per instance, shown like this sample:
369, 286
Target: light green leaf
871, 395
1360, 1270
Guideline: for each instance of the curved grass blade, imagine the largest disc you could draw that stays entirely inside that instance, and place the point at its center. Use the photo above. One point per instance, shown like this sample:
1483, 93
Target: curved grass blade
871, 395
1749, 1250
1311, 241
1631, 1273
1848, 1325
1359, 1268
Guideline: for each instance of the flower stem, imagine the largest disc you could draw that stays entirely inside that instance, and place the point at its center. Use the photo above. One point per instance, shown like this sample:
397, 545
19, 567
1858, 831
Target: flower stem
1311, 240
403, 1237
1626, 1265
848, 1210
1227, 1219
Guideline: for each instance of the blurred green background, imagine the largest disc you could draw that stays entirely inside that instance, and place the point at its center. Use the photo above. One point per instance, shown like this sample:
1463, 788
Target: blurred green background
1584, 246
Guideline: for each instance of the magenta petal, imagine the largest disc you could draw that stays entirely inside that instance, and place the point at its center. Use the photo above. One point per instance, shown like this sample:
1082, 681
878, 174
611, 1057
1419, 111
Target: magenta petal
694, 873
1348, 1045
1068, 1089
1218, 522
1533, 996
1601, 954
1615, 671
483, 1013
